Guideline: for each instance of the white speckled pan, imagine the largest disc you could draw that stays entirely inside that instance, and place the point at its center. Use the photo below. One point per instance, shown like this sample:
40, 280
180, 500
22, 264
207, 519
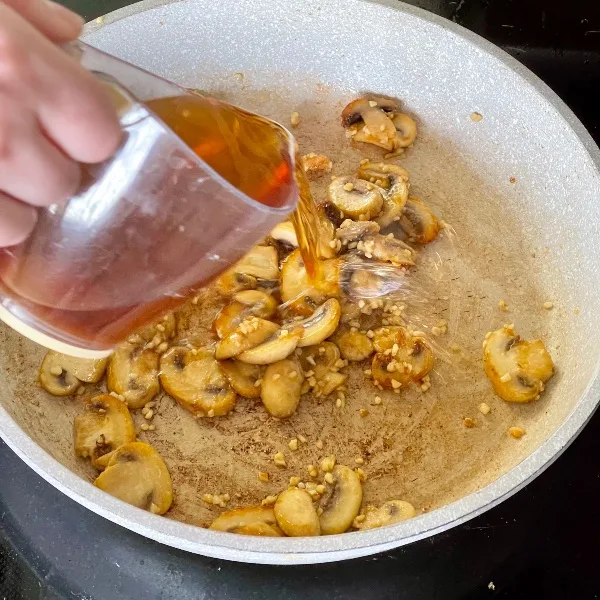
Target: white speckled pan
528, 240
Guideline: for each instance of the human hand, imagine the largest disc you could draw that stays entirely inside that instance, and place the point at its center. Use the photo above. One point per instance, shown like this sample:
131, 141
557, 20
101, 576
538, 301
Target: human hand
53, 114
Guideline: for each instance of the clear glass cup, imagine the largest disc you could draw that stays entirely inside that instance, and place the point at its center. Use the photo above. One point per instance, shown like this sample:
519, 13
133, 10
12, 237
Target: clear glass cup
152, 224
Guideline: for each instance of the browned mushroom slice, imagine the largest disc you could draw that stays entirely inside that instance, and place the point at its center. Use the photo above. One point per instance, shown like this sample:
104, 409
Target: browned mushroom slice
138, 475
104, 426
233, 281
61, 374
364, 237
356, 198
418, 221
381, 174
133, 373
261, 262
517, 368
368, 121
395, 180
196, 382
341, 501
251, 520
355, 346
385, 337
248, 303
386, 249
297, 292
285, 234
320, 325
321, 359
296, 514
279, 346
406, 130
281, 388
401, 358
393, 511
242, 377
355, 231
354, 111
248, 334
321, 363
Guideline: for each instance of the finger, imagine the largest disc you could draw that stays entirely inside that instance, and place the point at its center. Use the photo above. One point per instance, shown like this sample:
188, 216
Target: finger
73, 107
17, 221
77, 113
57, 23
32, 169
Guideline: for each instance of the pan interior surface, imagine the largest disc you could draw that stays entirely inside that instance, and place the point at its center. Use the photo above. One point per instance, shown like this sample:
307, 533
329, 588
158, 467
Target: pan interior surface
520, 189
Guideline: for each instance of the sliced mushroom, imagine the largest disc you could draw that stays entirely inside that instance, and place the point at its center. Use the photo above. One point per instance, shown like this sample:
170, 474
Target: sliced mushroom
296, 514
196, 382
298, 293
386, 249
368, 121
369, 243
384, 338
104, 426
248, 303
355, 231
133, 373
382, 174
281, 388
355, 110
418, 221
394, 511
321, 324
401, 358
330, 382
285, 233
251, 520
320, 359
138, 475
517, 368
242, 377
395, 180
316, 165
279, 346
323, 362
341, 501
355, 346
248, 334
356, 198
261, 262
406, 129
233, 281
61, 374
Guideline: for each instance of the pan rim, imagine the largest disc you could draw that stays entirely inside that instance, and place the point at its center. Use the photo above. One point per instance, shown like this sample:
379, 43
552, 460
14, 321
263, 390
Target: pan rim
350, 545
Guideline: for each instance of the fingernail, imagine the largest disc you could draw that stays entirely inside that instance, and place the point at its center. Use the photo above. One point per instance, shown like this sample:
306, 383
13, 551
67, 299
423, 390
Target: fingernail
67, 18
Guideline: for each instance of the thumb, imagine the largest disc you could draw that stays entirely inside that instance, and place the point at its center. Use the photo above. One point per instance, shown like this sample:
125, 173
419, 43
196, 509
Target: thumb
57, 23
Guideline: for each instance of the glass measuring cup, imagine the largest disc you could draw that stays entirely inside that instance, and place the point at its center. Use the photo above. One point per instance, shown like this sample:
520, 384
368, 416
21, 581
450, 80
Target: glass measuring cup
160, 219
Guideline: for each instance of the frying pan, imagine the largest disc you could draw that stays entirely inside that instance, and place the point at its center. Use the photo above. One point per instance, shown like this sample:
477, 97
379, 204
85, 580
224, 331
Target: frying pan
520, 188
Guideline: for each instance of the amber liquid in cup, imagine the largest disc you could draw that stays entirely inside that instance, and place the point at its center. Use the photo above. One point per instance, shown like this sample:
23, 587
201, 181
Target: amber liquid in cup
87, 302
